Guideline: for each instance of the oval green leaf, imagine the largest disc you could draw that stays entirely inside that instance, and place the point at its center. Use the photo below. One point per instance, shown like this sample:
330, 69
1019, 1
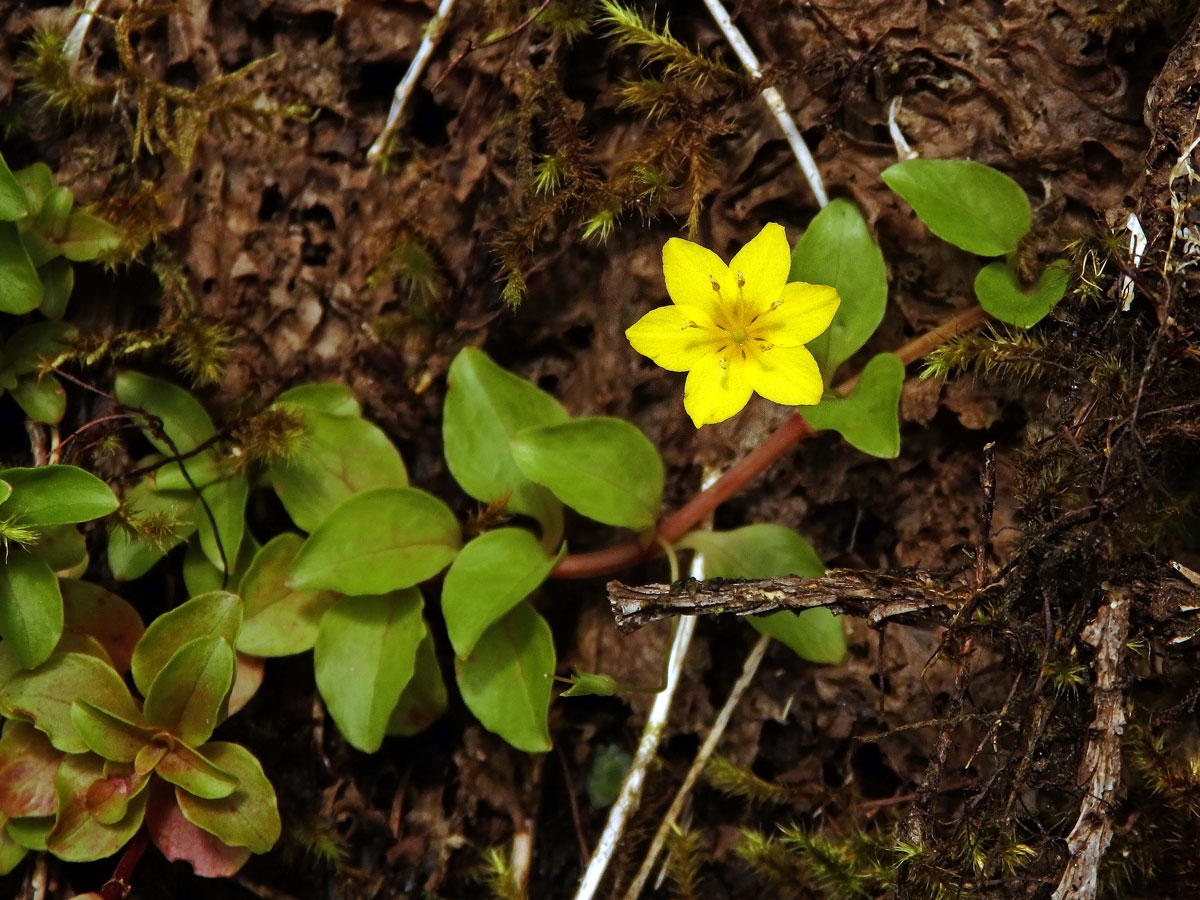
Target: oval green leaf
339, 457
838, 249
331, 397
378, 541
1000, 293
195, 773
604, 468
58, 280
20, 287
62, 548
869, 419
226, 501
767, 551
364, 657
189, 693
485, 406
183, 418
491, 575
109, 737
506, 680
424, 698
249, 817
42, 398
970, 205
13, 202
279, 620
218, 614
31, 609
90, 610
202, 577
88, 237
56, 495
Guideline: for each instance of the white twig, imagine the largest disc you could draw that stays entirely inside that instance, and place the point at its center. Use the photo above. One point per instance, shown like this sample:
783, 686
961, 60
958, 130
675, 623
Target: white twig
73, 46
656, 723
433, 33
749, 670
904, 149
773, 100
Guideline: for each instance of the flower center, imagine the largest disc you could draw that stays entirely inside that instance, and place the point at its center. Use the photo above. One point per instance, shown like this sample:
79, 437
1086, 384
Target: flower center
739, 335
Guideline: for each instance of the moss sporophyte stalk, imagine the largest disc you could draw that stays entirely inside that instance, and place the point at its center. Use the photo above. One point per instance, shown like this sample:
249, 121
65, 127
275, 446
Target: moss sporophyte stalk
737, 329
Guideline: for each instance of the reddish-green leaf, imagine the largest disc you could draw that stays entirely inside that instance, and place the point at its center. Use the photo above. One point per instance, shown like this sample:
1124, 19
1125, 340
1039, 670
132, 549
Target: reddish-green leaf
77, 835
44, 696
28, 763
179, 839
91, 610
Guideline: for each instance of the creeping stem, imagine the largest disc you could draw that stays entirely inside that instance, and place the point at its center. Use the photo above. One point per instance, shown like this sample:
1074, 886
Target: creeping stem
741, 473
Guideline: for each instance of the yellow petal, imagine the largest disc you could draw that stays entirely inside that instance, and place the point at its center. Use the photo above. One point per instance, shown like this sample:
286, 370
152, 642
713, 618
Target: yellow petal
690, 271
787, 375
805, 312
712, 393
764, 264
668, 337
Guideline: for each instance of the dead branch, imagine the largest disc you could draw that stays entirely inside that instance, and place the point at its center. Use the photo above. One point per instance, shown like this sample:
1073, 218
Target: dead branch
909, 596
1100, 768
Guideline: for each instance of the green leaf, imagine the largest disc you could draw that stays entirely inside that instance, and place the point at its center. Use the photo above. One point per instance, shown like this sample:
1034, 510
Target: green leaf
89, 609
62, 548
249, 817
227, 505
31, 612
13, 204
53, 219
37, 181
30, 346
108, 799
195, 773
604, 468
506, 680
491, 575
364, 656
11, 852
970, 205
839, 250
183, 418
1000, 293
108, 736
20, 287
44, 696
77, 835
424, 698
485, 406
218, 614
378, 541
88, 237
202, 469
331, 397
58, 280
42, 398
30, 832
869, 419
279, 620
5, 490
188, 694
202, 577
767, 551
56, 495
131, 555
339, 458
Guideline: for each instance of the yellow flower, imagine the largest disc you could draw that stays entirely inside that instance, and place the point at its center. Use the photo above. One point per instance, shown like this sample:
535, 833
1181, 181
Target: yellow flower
737, 329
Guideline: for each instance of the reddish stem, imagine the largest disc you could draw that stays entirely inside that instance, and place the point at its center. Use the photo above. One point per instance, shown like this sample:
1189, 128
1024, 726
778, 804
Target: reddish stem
742, 472
118, 887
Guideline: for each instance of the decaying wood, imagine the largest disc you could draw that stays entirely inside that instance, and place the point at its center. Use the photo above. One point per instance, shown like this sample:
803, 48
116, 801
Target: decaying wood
1100, 768
909, 596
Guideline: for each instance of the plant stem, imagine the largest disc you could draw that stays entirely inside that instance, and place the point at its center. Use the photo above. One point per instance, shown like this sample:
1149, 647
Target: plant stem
741, 473
773, 99
118, 887
433, 32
